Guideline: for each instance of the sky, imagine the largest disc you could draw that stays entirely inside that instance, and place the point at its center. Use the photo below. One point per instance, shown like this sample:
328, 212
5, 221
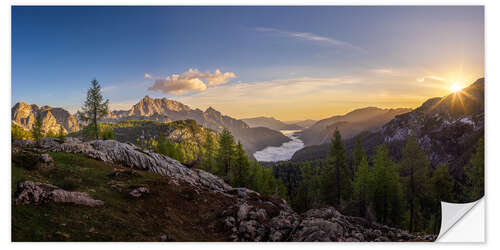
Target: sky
291, 63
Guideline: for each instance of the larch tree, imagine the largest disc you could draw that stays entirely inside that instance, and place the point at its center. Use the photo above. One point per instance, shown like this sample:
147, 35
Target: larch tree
94, 108
37, 130
474, 173
240, 170
387, 192
363, 185
336, 180
414, 171
225, 154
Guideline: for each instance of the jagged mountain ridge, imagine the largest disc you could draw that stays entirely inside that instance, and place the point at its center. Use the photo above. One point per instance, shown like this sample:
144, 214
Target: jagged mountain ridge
163, 109
447, 128
23, 115
350, 124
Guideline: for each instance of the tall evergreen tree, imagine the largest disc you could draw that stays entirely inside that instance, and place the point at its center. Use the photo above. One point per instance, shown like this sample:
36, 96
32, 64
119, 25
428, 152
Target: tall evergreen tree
442, 185
387, 188
358, 154
240, 170
474, 173
225, 154
61, 135
94, 108
336, 180
363, 185
208, 156
414, 171
37, 130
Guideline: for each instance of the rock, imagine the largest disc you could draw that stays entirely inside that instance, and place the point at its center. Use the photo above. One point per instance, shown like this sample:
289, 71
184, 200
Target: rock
243, 211
131, 156
30, 192
139, 192
46, 161
79, 198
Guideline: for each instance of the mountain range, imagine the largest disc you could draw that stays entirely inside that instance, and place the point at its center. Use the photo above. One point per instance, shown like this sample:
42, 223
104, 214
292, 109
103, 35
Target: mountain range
156, 109
349, 125
272, 123
24, 114
447, 128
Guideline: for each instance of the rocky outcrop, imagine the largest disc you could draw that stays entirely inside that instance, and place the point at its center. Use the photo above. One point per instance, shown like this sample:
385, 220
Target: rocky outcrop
30, 192
24, 115
249, 216
131, 156
253, 223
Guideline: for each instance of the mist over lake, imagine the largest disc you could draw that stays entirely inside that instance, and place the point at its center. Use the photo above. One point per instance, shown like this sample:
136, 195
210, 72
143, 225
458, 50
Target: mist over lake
283, 152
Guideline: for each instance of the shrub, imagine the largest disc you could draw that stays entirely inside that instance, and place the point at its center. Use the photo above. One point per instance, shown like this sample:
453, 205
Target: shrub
26, 160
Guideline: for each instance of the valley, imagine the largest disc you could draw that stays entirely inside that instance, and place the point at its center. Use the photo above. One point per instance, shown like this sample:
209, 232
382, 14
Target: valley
283, 152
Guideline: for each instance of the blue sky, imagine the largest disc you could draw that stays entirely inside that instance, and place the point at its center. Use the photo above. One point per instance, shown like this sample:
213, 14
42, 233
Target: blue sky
286, 62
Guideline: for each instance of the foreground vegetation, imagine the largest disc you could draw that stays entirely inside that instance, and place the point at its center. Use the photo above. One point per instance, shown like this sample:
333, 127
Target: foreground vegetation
169, 212
404, 194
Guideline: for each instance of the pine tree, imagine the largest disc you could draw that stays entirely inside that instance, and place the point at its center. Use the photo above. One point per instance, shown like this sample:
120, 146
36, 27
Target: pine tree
336, 180
474, 173
240, 170
442, 185
387, 193
225, 153
358, 154
162, 145
61, 135
209, 149
415, 173
94, 108
363, 185
37, 129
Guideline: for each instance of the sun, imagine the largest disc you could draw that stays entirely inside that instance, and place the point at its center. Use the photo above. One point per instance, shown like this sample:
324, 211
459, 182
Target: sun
456, 87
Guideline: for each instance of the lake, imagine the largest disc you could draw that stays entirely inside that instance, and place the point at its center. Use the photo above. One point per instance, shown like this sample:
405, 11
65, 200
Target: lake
283, 152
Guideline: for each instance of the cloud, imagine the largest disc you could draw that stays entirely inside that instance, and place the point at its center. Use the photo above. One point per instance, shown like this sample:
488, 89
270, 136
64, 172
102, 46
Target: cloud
432, 78
383, 71
192, 80
147, 76
309, 37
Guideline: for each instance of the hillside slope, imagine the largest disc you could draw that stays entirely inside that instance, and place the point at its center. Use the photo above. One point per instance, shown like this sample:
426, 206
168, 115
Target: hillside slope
150, 197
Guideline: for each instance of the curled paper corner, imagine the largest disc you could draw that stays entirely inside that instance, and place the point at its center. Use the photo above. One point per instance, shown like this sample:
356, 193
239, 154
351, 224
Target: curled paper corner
451, 214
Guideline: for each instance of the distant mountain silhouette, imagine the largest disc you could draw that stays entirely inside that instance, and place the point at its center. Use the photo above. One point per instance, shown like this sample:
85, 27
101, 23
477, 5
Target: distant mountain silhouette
349, 125
447, 128
270, 122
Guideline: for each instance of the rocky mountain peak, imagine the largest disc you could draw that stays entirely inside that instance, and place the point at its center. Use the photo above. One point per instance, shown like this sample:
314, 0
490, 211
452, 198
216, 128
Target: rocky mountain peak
24, 115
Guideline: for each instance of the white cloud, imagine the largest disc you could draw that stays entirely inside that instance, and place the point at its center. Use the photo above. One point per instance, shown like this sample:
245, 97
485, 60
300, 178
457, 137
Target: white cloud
432, 78
310, 37
192, 80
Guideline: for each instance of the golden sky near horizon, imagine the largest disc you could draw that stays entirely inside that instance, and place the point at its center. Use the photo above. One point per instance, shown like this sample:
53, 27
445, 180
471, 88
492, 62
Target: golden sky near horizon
318, 98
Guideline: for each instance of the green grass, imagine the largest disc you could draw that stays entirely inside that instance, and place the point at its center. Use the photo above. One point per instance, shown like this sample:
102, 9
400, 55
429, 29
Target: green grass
165, 211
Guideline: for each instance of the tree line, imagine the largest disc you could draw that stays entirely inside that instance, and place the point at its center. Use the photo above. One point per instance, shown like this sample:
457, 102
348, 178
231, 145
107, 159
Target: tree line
404, 194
